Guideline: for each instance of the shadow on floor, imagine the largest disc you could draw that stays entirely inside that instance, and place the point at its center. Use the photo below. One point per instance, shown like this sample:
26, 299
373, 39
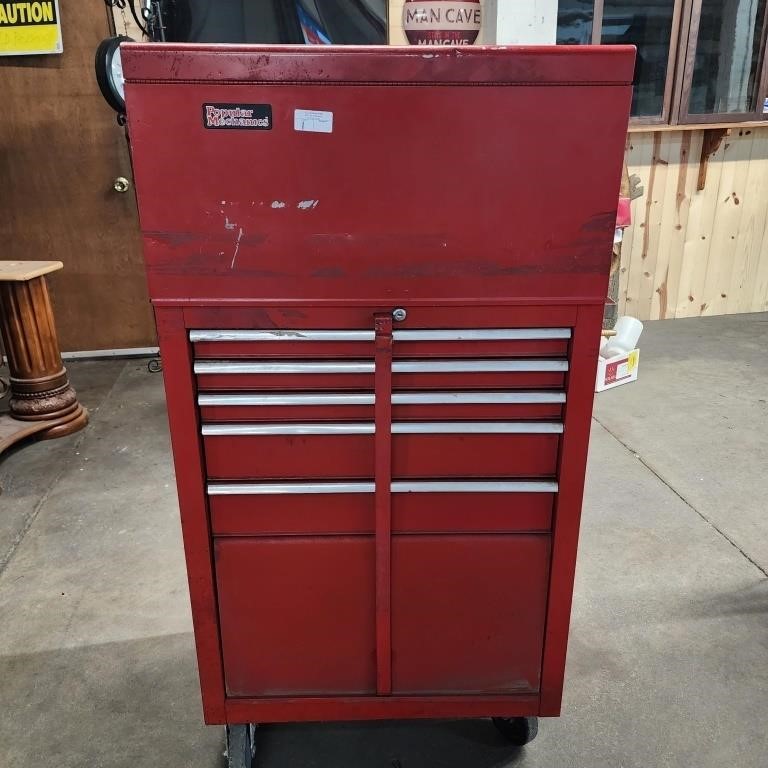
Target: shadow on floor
136, 704
391, 744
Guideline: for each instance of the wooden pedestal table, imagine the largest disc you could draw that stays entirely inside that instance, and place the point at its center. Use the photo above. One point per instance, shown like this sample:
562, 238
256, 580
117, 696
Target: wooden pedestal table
42, 403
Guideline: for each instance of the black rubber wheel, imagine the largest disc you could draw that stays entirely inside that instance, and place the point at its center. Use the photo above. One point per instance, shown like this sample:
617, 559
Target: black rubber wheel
241, 745
517, 730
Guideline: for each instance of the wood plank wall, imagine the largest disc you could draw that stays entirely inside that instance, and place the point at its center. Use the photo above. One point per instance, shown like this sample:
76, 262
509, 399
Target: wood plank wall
696, 252
60, 152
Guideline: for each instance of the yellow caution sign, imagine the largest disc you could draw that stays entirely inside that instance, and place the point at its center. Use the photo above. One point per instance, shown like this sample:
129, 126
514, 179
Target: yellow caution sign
27, 28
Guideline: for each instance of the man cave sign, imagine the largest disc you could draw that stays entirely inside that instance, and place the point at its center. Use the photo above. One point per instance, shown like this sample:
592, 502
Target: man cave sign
442, 22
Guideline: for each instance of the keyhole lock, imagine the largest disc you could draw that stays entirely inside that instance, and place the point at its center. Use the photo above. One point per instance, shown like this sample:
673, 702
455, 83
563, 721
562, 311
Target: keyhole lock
399, 314
121, 184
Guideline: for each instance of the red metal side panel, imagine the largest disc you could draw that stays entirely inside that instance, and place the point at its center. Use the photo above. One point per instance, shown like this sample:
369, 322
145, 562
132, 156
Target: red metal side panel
572, 469
297, 615
190, 481
468, 613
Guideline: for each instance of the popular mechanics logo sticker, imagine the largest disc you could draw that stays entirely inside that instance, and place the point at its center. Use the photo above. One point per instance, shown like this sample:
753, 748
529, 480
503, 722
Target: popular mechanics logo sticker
254, 117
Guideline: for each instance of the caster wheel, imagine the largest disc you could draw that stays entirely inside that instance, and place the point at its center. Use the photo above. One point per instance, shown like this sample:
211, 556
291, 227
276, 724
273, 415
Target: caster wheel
517, 730
241, 745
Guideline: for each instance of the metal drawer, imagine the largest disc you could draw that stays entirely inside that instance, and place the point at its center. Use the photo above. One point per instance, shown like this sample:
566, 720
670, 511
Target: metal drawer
358, 406
297, 615
451, 374
346, 450
266, 343
468, 613
239, 509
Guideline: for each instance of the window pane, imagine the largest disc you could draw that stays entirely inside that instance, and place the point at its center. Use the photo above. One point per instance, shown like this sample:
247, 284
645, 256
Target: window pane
648, 25
574, 22
725, 69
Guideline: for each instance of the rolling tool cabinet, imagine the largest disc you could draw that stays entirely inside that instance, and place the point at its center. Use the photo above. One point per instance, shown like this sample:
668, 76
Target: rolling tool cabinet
378, 277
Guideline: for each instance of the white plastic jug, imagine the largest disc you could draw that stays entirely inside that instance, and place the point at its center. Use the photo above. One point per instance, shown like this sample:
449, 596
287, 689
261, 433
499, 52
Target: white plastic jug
628, 330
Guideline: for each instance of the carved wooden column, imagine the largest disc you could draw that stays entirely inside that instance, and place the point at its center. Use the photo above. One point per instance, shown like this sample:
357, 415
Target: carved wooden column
42, 401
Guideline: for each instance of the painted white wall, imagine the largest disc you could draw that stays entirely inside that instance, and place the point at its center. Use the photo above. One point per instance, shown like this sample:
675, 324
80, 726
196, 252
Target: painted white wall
523, 22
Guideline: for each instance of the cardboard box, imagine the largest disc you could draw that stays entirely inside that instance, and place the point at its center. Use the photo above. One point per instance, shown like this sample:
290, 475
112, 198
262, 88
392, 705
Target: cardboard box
617, 370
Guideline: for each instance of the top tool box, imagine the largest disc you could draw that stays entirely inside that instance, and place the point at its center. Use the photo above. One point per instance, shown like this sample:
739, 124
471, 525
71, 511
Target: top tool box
378, 276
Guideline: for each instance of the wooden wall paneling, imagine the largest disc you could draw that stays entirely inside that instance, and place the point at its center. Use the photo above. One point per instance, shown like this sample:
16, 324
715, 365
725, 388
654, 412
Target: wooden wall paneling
654, 204
686, 257
749, 241
639, 161
759, 301
737, 149
698, 237
629, 236
677, 293
60, 152
668, 216
687, 247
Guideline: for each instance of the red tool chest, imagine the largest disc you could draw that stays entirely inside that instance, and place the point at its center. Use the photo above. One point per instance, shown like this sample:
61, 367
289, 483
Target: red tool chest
378, 277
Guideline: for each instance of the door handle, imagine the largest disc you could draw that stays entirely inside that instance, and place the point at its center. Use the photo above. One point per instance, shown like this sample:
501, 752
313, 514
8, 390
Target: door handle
121, 184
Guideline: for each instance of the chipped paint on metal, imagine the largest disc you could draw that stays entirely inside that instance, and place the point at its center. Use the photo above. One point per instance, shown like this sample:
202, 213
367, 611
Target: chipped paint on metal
237, 248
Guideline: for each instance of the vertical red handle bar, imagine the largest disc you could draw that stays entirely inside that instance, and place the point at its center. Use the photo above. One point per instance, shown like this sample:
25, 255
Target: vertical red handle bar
383, 478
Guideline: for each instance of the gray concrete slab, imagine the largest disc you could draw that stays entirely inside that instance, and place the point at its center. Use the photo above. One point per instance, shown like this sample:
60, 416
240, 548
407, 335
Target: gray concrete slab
668, 663
28, 471
698, 416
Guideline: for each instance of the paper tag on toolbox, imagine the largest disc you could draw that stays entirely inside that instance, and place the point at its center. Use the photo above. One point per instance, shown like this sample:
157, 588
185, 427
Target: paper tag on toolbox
313, 121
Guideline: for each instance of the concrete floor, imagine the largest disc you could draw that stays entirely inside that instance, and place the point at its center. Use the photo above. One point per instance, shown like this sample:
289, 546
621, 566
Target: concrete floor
668, 661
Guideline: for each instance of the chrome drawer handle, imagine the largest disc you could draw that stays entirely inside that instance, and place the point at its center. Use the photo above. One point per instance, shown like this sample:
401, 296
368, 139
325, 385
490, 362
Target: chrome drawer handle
501, 486
416, 334
477, 366
273, 334
398, 428
275, 489
288, 429
320, 398
475, 398
398, 398
481, 334
476, 427
269, 489
362, 366
245, 366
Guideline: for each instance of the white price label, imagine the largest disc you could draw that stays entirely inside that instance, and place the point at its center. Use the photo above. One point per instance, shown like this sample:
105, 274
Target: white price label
313, 120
